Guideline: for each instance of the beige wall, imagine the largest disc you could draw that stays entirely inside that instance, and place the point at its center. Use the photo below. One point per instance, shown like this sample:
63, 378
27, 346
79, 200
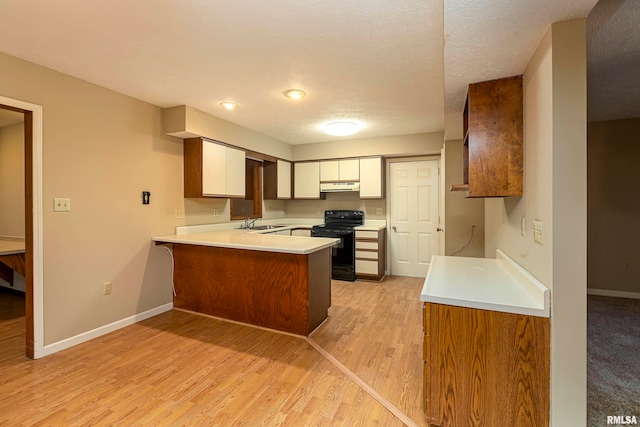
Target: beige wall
555, 193
349, 201
614, 208
12, 180
461, 213
101, 149
401, 145
186, 122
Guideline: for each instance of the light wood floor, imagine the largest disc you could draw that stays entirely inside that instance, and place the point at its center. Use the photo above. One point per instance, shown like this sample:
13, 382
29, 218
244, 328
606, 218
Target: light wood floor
183, 369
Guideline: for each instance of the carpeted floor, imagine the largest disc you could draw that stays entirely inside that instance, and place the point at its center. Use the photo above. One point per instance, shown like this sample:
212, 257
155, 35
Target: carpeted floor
613, 359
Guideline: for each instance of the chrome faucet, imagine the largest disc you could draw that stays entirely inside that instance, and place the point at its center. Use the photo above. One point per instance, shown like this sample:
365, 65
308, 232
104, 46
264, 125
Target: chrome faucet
249, 223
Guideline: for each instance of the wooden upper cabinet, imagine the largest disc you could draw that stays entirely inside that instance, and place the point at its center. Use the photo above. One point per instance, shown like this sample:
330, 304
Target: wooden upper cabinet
277, 180
493, 141
212, 169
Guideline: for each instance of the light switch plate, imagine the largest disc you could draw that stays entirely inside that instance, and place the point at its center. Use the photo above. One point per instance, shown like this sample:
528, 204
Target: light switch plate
61, 204
538, 232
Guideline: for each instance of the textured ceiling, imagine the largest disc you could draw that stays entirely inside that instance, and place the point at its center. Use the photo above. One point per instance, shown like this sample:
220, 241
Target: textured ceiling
381, 63
486, 40
375, 62
613, 29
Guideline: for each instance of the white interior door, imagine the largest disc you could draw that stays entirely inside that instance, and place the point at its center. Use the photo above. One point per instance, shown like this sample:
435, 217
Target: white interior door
414, 200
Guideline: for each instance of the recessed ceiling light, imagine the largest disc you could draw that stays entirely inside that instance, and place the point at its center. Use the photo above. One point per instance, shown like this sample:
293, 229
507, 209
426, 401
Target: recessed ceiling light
229, 105
341, 128
295, 94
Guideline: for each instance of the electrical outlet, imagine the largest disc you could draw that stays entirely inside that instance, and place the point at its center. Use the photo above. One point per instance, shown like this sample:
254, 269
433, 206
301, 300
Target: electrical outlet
179, 214
538, 232
216, 212
61, 204
627, 265
106, 288
378, 211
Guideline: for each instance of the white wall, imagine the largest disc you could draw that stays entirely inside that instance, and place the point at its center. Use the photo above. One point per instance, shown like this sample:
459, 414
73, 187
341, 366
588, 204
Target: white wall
555, 193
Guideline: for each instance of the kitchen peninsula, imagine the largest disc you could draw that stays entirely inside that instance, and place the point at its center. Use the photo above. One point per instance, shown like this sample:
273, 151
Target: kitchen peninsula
274, 281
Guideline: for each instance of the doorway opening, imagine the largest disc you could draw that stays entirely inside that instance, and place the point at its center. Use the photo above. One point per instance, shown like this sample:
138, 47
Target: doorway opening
27, 260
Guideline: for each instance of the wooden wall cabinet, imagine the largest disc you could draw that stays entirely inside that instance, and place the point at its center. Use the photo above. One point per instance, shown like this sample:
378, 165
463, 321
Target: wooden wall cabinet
212, 169
277, 180
371, 178
485, 368
306, 181
340, 170
370, 254
493, 139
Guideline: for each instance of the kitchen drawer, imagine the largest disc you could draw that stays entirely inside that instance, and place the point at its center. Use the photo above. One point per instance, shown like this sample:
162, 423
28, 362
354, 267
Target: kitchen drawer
366, 267
366, 245
366, 234
367, 254
305, 232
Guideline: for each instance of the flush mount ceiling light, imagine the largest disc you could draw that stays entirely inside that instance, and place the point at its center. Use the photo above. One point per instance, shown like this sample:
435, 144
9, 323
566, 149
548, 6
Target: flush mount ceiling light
341, 128
295, 94
229, 105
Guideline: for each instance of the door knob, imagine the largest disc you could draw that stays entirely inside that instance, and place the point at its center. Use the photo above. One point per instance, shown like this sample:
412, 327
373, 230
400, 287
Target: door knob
439, 229
394, 228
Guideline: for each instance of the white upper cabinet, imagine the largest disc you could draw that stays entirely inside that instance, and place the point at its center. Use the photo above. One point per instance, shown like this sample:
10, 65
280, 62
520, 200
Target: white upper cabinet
340, 170
236, 175
284, 179
371, 178
213, 170
329, 170
276, 179
307, 180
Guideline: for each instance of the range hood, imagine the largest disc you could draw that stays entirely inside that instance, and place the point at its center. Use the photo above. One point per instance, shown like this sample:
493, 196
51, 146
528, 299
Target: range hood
335, 187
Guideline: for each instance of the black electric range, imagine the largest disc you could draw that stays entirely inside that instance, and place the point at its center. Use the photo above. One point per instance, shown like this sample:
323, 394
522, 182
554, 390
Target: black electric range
340, 224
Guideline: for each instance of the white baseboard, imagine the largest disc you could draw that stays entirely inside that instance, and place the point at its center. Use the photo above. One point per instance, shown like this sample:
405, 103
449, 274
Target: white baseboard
102, 330
617, 294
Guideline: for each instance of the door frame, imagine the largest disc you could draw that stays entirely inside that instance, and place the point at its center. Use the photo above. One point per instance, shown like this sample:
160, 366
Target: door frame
33, 225
387, 168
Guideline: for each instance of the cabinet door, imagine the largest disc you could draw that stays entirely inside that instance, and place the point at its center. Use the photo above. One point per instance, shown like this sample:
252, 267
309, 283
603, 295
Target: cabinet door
349, 170
284, 179
235, 172
329, 170
371, 178
214, 169
307, 180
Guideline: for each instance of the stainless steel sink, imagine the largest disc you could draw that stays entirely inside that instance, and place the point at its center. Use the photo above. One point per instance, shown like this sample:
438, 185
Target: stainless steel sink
266, 227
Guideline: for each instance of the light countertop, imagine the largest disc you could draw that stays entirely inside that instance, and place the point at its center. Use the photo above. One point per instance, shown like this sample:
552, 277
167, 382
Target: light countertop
11, 247
490, 284
252, 240
372, 225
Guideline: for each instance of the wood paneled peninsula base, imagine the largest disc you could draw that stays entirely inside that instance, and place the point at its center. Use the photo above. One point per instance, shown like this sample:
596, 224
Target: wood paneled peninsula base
283, 291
